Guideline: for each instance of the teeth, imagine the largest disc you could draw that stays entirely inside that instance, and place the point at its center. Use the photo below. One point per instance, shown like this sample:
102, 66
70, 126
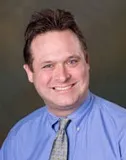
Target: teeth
63, 88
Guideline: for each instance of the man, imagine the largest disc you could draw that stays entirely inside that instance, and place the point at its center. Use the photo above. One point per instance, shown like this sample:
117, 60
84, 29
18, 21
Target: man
56, 62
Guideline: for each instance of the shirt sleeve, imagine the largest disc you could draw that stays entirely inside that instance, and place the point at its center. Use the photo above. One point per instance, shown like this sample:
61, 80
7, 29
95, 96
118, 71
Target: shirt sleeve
9, 148
122, 144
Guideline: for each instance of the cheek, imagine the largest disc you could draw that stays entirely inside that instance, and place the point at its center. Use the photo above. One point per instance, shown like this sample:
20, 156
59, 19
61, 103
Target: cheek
82, 73
42, 79
86, 69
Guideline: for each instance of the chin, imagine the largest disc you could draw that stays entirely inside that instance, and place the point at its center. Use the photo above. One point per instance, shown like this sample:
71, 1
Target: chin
66, 104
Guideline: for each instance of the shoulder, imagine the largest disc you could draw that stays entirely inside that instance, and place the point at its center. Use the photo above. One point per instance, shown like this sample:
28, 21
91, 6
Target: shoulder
110, 111
108, 106
25, 134
30, 121
113, 119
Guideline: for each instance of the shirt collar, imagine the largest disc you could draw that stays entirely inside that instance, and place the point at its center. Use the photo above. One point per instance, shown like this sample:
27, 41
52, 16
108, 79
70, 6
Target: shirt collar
52, 118
77, 116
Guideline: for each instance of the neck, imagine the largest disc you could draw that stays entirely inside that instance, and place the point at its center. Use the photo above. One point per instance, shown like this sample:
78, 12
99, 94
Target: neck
64, 111
61, 113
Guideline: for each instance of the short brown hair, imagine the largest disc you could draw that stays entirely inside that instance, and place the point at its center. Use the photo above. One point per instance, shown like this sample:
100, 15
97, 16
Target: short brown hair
49, 20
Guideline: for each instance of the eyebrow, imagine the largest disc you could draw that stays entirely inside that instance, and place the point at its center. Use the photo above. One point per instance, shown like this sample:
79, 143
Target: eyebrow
75, 56
70, 57
46, 62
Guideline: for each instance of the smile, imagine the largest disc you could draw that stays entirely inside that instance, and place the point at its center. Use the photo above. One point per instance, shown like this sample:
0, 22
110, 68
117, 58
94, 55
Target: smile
65, 88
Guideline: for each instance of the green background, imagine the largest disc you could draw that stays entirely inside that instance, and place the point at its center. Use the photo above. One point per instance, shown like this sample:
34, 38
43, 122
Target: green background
103, 23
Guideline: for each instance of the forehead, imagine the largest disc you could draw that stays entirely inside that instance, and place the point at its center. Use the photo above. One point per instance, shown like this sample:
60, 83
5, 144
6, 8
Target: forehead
55, 43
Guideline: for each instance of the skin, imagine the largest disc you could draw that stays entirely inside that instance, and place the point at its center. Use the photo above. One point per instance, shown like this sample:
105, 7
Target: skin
60, 71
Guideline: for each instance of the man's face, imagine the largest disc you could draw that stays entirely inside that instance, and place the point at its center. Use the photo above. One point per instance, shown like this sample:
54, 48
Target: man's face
60, 71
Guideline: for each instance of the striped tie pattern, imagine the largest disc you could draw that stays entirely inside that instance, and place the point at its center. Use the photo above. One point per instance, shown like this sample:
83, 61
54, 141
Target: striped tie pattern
60, 144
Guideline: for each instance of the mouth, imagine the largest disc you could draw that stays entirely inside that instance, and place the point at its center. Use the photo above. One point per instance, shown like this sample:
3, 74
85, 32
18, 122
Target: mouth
63, 88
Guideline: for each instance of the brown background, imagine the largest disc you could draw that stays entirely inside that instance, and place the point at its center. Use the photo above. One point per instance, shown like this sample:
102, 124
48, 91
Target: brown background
103, 23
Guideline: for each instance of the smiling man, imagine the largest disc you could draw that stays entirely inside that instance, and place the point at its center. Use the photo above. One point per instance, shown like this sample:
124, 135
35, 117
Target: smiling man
60, 71
74, 124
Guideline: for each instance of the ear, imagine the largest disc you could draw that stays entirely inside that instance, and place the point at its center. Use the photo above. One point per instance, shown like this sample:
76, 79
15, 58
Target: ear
28, 72
87, 60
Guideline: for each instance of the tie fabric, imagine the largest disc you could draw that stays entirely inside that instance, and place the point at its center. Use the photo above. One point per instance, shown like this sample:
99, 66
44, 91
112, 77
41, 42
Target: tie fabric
60, 144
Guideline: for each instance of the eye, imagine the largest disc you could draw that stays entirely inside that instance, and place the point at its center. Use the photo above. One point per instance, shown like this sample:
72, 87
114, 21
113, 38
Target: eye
73, 62
48, 66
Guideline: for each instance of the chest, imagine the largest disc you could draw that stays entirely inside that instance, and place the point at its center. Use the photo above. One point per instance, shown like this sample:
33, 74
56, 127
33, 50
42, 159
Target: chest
92, 143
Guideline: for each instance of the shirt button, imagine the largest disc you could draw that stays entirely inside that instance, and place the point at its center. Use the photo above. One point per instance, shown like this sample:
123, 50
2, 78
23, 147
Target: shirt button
78, 129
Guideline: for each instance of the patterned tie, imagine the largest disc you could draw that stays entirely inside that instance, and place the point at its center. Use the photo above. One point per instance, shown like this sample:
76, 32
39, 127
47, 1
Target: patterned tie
60, 144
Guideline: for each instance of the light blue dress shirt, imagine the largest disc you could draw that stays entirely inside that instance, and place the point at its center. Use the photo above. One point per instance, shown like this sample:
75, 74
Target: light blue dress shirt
97, 132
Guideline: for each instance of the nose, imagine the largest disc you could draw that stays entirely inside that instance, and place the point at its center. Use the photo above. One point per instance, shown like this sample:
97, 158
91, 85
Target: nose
61, 74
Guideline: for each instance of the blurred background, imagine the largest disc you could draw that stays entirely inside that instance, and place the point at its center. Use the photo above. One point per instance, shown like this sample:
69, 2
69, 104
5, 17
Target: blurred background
103, 23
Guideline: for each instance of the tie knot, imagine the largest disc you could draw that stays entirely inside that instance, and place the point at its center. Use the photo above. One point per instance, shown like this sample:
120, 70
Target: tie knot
63, 123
